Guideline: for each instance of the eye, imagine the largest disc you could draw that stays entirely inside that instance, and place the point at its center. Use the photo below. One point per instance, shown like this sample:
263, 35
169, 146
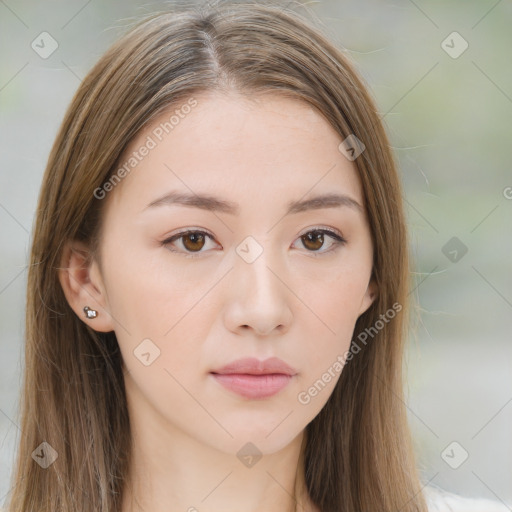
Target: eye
192, 241
314, 240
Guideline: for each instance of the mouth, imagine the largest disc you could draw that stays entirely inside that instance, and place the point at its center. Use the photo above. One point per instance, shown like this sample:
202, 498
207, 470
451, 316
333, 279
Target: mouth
253, 386
255, 379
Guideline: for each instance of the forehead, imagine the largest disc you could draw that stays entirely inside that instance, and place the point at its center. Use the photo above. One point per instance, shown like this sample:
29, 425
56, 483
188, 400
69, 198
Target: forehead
268, 148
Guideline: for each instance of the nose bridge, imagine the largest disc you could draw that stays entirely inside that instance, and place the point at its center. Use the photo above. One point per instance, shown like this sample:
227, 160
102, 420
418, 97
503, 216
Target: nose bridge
259, 295
256, 264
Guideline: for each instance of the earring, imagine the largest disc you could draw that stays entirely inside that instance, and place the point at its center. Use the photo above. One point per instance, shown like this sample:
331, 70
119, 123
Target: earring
90, 313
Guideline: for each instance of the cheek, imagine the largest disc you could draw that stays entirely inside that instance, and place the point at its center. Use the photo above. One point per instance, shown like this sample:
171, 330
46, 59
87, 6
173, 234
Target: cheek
147, 296
334, 300
329, 315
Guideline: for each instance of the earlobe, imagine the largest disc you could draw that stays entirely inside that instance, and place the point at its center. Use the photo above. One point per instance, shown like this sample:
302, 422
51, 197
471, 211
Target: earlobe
83, 287
369, 296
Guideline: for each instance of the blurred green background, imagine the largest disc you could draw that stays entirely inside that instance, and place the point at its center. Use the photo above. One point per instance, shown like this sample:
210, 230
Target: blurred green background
448, 114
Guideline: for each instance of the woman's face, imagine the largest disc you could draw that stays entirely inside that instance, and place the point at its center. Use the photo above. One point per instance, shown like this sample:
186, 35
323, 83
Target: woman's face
251, 280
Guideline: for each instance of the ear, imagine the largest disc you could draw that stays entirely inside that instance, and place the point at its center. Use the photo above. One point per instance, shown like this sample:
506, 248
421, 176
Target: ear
369, 296
82, 283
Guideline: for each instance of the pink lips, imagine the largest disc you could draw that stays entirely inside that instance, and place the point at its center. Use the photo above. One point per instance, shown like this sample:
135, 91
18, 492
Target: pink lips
255, 379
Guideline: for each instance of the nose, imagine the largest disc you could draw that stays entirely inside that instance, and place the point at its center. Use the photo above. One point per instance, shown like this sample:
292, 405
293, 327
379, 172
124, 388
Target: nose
258, 297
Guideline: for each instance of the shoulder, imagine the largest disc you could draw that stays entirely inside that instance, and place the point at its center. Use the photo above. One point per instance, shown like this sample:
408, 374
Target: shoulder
439, 500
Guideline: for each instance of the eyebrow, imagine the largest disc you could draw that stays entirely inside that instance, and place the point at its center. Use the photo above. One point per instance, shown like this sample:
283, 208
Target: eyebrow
216, 204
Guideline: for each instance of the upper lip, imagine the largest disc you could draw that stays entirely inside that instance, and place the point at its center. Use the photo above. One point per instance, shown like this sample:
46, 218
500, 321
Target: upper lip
253, 366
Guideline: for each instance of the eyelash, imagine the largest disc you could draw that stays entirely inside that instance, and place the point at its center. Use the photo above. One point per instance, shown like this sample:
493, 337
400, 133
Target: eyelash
338, 241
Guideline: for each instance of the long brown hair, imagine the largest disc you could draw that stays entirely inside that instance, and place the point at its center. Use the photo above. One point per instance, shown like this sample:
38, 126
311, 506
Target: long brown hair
358, 454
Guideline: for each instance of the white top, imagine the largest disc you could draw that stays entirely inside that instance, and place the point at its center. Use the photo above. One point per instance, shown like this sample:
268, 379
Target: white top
439, 500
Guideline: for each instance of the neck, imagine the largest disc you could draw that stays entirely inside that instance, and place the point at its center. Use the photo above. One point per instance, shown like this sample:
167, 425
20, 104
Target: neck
206, 482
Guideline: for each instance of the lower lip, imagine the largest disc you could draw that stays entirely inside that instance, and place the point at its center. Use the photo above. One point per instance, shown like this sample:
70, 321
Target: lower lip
253, 386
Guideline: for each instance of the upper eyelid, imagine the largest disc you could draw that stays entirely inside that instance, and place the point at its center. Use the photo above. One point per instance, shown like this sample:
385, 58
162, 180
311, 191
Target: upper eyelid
201, 230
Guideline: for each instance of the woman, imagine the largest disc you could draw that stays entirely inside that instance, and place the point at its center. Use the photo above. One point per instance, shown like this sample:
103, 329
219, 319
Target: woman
217, 294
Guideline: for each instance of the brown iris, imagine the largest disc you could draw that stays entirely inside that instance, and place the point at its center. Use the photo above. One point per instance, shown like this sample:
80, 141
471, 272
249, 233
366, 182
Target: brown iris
316, 238
196, 241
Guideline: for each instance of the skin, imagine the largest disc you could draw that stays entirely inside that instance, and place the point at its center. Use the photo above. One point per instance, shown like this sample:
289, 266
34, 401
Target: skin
206, 311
